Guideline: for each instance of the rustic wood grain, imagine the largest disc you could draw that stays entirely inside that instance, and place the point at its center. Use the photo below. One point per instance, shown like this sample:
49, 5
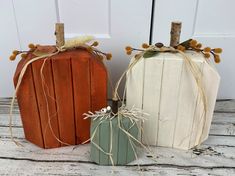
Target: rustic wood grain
98, 84
46, 102
61, 66
29, 105
80, 63
32, 160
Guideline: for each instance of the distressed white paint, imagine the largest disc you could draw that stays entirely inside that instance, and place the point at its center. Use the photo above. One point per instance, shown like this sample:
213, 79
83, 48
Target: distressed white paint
172, 99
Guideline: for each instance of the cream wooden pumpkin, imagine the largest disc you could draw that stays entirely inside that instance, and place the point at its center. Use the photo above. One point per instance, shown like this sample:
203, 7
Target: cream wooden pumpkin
164, 87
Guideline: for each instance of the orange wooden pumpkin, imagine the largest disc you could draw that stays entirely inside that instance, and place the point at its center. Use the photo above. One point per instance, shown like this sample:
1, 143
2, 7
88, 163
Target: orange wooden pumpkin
74, 82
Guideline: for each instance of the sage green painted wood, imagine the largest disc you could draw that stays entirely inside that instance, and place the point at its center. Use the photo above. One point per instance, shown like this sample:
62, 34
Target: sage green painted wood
133, 129
115, 142
94, 151
104, 139
120, 142
123, 142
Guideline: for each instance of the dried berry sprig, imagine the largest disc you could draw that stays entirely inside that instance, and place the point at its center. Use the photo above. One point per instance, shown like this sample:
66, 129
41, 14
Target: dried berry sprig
101, 55
130, 49
33, 47
146, 51
195, 46
23, 54
186, 45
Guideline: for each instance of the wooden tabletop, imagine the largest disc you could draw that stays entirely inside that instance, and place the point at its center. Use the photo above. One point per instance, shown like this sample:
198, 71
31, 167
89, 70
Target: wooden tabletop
215, 157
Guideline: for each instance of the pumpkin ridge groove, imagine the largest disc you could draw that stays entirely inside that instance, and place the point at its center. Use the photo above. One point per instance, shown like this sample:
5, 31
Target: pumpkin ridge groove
74, 113
36, 99
56, 104
142, 99
177, 105
159, 110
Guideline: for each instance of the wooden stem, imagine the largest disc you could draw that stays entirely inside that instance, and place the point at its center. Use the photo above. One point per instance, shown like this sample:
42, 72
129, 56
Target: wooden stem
175, 33
59, 33
114, 106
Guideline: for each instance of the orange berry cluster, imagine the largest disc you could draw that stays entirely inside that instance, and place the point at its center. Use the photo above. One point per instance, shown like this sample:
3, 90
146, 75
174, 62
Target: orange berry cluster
129, 49
23, 54
100, 54
207, 51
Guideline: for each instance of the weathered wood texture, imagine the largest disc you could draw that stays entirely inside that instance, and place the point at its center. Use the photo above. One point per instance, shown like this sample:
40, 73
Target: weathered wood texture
216, 158
52, 103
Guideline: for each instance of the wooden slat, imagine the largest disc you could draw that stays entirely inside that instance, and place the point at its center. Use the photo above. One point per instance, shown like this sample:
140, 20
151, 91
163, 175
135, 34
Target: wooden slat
46, 102
61, 66
220, 156
95, 130
115, 142
220, 140
211, 79
131, 148
225, 106
151, 98
134, 84
32, 160
104, 142
186, 108
168, 101
81, 86
28, 107
122, 142
98, 84
11, 167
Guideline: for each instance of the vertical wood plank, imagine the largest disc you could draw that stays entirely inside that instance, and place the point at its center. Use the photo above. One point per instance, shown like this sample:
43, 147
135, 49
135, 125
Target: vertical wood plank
98, 84
197, 119
104, 140
202, 124
28, 106
131, 149
169, 96
134, 85
211, 80
115, 141
64, 97
152, 90
186, 107
95, 152
50, 140
123, 142
81, 86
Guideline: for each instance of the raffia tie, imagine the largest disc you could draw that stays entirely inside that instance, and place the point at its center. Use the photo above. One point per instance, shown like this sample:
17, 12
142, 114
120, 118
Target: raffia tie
21, 75
134, 115
190, 64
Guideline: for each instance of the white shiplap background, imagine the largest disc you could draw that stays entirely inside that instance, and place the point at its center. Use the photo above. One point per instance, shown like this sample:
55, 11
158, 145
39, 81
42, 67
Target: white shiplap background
117, 24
